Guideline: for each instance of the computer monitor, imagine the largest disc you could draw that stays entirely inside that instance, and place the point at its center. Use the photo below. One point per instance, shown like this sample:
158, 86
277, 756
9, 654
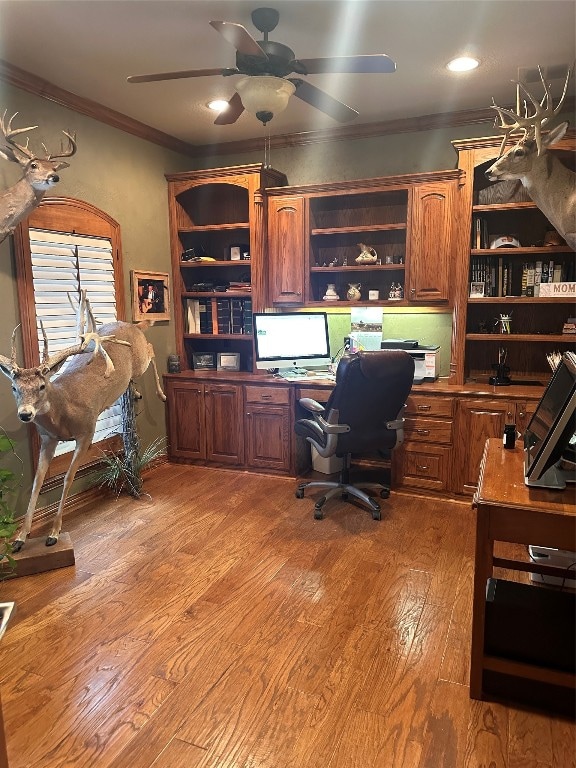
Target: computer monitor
551, 429
291, 341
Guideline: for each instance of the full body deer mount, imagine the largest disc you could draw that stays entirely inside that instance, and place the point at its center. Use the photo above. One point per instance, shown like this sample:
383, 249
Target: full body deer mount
40, 174
549, 183
102, 365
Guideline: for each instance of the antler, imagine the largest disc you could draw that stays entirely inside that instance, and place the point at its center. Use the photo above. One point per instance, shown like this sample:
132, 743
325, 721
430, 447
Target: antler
531, 124
9, 133
68, 152
10, 362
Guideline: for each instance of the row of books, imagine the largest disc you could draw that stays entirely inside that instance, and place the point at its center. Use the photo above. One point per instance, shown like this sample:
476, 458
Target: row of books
502, 276
219, 316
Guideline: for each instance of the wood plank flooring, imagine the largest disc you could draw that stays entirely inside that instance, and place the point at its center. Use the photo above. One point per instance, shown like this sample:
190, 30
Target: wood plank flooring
216, 624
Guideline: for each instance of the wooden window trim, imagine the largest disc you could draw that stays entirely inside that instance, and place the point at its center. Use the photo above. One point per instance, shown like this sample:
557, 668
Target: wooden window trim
61, 214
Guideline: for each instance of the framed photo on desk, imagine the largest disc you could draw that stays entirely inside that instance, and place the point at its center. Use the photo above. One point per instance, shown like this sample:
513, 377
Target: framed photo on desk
228, 361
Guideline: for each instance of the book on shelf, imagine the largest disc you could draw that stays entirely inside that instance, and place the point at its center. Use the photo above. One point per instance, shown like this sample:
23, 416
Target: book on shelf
480, 238
205, 324
192, 316
537, 278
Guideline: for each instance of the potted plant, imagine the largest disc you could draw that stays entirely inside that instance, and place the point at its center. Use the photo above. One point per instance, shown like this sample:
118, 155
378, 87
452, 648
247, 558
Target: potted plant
9, 482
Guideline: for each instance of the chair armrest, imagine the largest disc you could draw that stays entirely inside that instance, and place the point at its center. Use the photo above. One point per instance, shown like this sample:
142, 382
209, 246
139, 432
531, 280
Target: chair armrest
311, 405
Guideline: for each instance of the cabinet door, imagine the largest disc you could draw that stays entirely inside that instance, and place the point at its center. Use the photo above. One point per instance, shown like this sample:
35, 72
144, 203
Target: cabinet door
286, 250
477, 420
431, 241
185, 420
268, 437
524, 412
224, 424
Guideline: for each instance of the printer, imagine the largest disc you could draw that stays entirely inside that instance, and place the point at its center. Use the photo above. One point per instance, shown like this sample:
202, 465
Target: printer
426, 360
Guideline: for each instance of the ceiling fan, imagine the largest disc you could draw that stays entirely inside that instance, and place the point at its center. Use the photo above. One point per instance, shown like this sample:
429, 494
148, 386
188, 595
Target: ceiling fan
266, 88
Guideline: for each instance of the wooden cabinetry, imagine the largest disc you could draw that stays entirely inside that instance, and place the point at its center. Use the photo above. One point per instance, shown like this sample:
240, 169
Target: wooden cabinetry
227, 421
536, 321
286, 250
205, 421
424, 459
315, 232
218, 214
432, 241
477, 420
269, 427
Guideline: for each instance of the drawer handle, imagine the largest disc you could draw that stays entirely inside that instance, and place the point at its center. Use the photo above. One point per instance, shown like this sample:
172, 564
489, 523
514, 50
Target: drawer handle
424, 407
266, 397
423, 431
421, 468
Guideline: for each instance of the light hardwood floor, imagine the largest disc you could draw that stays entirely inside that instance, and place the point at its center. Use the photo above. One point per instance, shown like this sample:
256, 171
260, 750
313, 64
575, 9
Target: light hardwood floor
218, 625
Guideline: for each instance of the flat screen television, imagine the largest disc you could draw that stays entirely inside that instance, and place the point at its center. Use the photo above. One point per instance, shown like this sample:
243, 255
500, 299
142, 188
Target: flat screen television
291, 341
550, 433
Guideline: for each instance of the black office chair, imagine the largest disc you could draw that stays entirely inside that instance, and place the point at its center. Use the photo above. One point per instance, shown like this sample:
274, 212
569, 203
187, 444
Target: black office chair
363, 414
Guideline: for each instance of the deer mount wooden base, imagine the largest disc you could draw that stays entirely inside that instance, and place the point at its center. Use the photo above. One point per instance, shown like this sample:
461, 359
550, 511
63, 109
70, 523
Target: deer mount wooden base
36, 557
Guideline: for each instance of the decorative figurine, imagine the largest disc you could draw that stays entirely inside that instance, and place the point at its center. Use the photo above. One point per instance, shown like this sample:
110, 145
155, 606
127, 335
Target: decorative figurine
503, 323
367, 255
331, 293
353, 292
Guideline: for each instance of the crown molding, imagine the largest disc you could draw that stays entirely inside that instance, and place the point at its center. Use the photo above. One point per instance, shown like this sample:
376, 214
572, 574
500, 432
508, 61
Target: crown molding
26, 81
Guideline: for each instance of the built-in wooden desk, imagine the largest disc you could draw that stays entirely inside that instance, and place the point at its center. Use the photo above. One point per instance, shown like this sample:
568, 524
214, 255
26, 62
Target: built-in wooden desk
507, 510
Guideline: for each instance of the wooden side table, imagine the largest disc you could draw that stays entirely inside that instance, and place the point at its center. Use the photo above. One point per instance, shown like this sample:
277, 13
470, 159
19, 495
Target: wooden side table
507, 510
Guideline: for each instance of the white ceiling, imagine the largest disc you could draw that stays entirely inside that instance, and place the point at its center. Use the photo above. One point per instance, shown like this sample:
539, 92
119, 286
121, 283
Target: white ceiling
89, 47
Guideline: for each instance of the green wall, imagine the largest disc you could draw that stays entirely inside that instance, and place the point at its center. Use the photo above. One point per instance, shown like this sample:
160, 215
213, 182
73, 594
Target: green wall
124, 176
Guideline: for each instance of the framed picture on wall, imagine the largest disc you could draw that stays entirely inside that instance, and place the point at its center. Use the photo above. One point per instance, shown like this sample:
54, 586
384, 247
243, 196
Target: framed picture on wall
150, 295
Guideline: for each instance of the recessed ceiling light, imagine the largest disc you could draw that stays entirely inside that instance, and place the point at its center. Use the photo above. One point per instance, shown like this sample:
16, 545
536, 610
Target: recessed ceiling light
462, 64
218, 105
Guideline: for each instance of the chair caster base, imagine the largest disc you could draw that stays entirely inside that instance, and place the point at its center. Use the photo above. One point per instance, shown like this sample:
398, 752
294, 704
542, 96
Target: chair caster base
385, 493
299, 493
318, 514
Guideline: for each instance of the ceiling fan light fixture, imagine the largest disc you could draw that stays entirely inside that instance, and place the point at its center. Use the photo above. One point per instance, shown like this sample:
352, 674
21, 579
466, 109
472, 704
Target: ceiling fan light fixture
462, 64
265, 96
218, 105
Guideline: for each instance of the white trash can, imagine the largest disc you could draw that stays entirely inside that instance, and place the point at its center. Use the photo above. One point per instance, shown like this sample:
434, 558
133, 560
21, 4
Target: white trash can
329, 465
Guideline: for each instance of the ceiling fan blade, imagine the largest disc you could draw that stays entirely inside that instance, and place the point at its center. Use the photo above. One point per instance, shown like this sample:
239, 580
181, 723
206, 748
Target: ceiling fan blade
377, 63
323, 101
240, 38
178, 75
230, 115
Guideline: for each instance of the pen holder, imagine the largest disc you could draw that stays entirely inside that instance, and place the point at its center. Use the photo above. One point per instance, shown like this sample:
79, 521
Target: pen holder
501, 379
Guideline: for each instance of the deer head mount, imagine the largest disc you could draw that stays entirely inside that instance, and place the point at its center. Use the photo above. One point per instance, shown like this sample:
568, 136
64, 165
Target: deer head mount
102, 364
549, 183
40, 174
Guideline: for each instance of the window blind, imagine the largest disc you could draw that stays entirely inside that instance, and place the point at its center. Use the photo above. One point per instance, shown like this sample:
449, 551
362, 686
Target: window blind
63, 264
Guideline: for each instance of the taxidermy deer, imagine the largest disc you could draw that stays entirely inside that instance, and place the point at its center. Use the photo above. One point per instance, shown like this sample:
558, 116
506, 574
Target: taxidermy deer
40, 174
102, 365
549, 183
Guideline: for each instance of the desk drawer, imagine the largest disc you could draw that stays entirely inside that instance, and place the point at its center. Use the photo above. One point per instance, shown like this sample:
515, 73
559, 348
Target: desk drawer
428, 431
320, 394
424, 405
422, 466
272, 395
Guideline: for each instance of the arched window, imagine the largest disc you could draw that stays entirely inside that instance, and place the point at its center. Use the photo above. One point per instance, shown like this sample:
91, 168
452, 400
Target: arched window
67, 245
